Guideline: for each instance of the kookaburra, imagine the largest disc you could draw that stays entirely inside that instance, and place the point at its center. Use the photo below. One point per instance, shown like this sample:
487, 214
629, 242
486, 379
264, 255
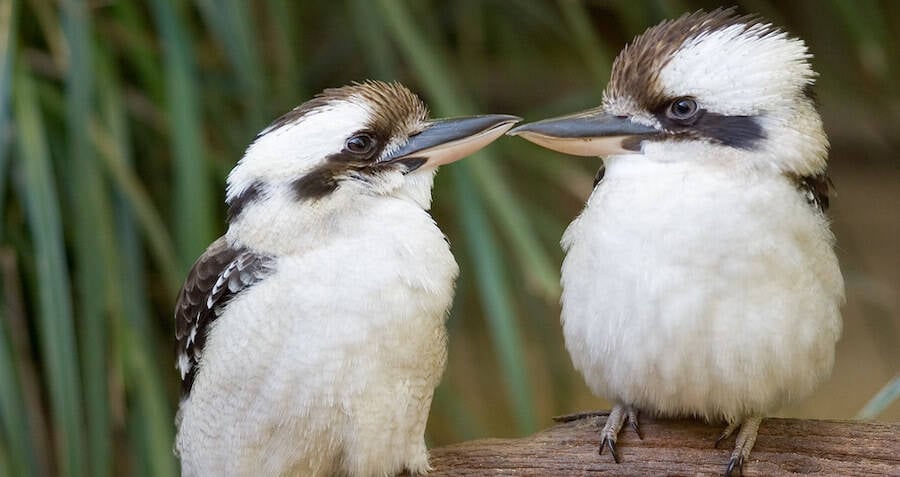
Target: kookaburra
700, 278
311, 336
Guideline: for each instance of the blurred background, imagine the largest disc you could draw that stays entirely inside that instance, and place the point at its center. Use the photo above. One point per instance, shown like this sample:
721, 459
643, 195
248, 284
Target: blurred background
119, 121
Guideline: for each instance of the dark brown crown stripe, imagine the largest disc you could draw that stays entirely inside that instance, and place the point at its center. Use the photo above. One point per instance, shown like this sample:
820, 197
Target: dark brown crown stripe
635, 75
395, 110
393, 106
635, 72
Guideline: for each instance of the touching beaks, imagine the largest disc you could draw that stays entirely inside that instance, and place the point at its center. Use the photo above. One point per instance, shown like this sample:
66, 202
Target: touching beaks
588, 133
448, 140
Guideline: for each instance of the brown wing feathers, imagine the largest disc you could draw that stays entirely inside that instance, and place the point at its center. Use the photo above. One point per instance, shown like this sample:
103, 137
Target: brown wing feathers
218, 275
816, 189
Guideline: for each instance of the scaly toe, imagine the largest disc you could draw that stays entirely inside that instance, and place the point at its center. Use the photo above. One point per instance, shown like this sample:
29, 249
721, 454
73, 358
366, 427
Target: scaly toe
610, 444
743, 444
633, 421
610, 431
729, 429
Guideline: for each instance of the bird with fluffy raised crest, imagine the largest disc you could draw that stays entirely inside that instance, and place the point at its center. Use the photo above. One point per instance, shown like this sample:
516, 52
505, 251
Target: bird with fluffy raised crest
700, 279
311, 336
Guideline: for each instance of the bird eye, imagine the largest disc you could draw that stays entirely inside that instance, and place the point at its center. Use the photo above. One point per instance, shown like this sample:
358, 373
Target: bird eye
682, 108
360, 144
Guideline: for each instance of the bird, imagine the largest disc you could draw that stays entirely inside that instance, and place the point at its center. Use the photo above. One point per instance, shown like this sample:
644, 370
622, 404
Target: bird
700, 278
311, 335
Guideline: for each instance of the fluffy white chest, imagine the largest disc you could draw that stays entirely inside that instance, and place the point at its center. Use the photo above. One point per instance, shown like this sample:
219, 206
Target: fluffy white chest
328, 365
693, 291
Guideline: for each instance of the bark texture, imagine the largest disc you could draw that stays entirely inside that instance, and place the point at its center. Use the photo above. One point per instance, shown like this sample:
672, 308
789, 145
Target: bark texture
681, 447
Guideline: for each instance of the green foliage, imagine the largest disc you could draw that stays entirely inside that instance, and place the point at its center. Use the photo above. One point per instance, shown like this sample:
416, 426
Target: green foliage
120, 120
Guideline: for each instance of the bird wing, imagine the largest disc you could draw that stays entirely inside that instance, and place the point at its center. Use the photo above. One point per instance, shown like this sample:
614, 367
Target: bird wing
815, 188
221, 273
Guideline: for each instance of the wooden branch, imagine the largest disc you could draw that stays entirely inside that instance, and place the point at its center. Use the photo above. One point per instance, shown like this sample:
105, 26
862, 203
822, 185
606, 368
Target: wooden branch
681, 447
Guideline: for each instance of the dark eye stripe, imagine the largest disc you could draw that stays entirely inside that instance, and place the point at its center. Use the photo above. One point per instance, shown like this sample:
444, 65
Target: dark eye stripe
327, 177
742, 132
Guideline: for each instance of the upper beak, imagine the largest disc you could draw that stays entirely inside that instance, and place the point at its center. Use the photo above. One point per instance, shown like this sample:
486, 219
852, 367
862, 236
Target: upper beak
448, 140
588, 133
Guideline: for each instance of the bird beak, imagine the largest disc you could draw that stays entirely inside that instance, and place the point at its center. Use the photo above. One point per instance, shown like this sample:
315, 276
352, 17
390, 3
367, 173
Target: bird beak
448, 140
588, 133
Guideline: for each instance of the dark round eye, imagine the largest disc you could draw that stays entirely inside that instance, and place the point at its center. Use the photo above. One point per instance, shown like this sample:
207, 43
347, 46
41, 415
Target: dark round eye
682, 108
360, 144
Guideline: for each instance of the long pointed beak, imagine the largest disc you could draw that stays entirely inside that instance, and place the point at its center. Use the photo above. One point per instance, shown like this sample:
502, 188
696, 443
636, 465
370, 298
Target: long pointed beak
448, 140
588, 133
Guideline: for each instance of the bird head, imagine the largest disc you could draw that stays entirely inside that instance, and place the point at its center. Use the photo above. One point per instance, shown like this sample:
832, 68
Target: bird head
710, 87
365, 139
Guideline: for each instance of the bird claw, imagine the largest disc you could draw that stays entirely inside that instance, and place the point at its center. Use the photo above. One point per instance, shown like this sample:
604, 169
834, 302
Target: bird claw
726, 433
719, 440
633, 421
743, 444
735, 466
637, 430
610, 444
612, 427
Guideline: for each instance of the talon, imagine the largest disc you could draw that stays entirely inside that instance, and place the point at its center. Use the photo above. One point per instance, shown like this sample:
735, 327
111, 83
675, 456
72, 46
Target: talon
633, 421
637, 429
611, 429
612, 449
729, 429
735, 467
719, 440
743, 444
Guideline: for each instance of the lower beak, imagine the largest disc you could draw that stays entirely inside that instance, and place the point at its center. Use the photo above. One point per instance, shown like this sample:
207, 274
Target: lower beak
448, 140
589, 133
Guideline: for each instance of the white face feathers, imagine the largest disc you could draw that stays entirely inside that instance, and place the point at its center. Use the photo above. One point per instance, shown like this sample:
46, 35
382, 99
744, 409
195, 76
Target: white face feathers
285, 153
714, 88
739, 70
370, 138
339, 135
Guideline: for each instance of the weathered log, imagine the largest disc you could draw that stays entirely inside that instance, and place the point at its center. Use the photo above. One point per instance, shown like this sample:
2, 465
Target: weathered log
681, 447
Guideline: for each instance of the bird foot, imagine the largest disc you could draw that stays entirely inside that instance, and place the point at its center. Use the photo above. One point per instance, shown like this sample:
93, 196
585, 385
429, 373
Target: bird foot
743, 444
610, 432
727, 433
633, 420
